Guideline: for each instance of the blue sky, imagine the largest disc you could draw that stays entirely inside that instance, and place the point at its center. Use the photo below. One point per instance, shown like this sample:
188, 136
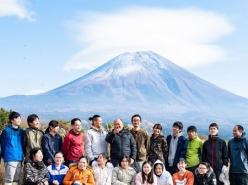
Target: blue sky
45, 44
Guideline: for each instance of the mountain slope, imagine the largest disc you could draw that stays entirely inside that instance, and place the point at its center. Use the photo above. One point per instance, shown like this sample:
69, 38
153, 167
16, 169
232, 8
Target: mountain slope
141, 82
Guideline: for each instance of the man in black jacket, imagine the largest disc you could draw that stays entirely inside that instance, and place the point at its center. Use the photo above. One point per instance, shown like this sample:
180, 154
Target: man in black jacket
238, 154
214, 151
121, 143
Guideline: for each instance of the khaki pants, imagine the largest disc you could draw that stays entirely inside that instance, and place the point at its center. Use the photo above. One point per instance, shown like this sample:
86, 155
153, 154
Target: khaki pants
13, 171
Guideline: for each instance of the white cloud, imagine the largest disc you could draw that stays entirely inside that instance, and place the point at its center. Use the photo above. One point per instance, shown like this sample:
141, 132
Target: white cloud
188, 37
14, 8
35, 91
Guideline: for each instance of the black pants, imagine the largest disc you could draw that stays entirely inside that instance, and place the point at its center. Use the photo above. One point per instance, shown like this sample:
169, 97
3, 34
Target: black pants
238, 178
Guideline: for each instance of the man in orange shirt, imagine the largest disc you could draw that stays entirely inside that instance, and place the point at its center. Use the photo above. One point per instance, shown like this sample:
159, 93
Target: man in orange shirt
183, 177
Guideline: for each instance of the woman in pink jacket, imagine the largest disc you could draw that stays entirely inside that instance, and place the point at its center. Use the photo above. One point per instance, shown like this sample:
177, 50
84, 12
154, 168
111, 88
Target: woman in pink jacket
146, 177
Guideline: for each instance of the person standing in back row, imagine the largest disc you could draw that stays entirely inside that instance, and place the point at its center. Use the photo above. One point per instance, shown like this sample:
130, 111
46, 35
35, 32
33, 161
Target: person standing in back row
142, 139
177, 145
121, 143
95, 143
73, 146
158, 149
194, 149
12, 149
33, 135
238, 154
214, 151
51, 142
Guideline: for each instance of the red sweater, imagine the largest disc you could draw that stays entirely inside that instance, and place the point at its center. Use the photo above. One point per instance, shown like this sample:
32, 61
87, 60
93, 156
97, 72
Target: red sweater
73, 146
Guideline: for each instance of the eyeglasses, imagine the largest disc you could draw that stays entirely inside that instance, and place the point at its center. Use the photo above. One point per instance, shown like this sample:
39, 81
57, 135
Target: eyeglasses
202, 168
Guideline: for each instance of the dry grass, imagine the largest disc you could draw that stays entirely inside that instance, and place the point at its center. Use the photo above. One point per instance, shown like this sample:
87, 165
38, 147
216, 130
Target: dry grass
1, 173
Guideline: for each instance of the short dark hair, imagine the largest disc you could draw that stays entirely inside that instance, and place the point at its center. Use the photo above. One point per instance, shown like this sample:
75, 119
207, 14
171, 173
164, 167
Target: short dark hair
178, 124
59, 152
33, 151
191, 128
124, 157
241, 129
157, 126
93, 118
13, 115
205, 164
103, 155
136, 115
214, 125
31, 118
73, 121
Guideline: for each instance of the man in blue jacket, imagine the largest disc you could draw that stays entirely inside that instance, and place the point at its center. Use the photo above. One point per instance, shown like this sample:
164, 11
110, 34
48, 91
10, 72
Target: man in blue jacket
238, 154
177, 145
12, 149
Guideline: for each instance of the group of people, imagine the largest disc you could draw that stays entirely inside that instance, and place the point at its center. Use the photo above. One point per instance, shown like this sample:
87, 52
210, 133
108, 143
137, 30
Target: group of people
121, 156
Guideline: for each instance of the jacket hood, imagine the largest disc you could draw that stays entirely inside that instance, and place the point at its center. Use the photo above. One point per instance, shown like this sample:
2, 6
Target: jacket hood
159, 162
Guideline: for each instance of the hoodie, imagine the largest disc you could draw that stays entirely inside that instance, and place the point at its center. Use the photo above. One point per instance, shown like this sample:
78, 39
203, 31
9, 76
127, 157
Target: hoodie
165, 178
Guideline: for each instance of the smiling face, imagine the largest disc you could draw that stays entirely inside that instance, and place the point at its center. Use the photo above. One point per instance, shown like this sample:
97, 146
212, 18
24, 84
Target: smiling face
59, 159
16, 121
237, 133
136, 122
38, 156
54, 129
156, 132
97, 122
181, 165
35, 124
118, 125
77, 126
159, 169
82, 164
147, 168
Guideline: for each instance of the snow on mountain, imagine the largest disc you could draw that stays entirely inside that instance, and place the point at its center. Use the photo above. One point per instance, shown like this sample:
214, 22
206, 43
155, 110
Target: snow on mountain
139, 82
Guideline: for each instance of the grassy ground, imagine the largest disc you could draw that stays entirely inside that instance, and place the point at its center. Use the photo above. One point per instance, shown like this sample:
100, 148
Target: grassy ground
1, 173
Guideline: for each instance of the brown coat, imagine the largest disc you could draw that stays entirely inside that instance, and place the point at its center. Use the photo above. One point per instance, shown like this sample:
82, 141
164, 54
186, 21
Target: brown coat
142, 143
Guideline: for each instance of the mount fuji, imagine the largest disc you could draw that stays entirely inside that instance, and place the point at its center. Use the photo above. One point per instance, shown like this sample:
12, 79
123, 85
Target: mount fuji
140, 82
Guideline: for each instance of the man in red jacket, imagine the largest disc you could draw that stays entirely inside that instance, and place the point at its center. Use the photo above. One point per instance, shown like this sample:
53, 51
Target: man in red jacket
73, 146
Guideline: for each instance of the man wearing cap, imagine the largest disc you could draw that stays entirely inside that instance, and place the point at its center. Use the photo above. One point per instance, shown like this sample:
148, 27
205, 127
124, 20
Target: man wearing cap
183, 177
194, 149
177, 147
